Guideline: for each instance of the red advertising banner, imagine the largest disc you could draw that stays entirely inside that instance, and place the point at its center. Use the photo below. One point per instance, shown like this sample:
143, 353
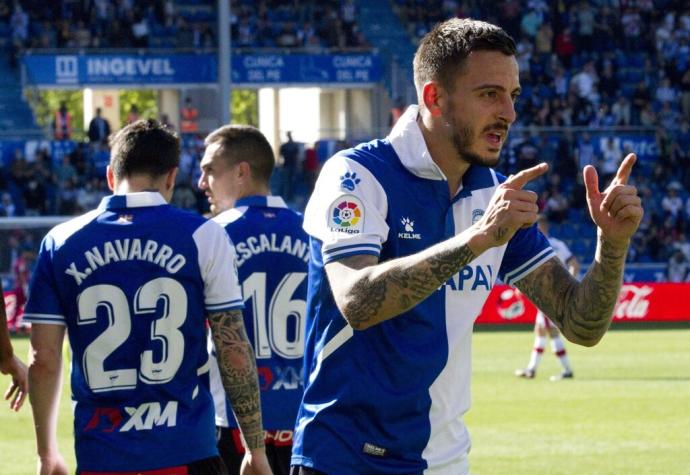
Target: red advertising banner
646, 302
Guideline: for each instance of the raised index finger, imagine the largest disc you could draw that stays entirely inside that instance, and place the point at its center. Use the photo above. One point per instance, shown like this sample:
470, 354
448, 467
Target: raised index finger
519, 180
623, 173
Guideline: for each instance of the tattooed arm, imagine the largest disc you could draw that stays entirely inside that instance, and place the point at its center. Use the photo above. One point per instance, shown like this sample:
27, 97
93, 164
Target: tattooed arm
582, 310
368, 293
238, 372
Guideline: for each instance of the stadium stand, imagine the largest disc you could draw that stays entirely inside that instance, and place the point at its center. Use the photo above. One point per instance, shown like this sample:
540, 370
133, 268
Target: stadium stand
600, 78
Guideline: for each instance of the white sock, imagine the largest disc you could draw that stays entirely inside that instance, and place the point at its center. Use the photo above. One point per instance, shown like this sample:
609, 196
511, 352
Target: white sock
559, 350
537, 351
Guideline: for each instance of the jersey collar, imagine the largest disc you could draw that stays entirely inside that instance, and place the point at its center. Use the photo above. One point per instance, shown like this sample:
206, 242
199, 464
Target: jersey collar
408, 142
133, 200
263, 201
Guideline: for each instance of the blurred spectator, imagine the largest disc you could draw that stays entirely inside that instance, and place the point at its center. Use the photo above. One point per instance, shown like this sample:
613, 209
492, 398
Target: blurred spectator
99, 128
133, 114
677, 268
189, 115
556, 205
289, 152
7, 207
585, 153
585, 21
140, 32
665, 92
583, 82
621, 111
608, 82
683, 246
647, 116
565, 46
668, 117
672, 203
311, 168
62, 123
612, 156
641, 96
396, 111
631, 22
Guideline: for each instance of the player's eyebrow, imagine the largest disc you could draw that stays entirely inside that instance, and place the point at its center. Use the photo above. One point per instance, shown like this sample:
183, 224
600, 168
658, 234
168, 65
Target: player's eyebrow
516, 91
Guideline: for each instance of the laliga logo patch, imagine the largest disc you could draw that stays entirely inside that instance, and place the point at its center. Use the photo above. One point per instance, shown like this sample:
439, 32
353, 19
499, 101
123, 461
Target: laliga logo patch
349, 181
347, 215
477, 215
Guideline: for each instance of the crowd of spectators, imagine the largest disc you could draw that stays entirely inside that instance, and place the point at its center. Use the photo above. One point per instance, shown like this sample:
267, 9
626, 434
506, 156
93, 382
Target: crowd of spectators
31, 24
73, 181
294, 24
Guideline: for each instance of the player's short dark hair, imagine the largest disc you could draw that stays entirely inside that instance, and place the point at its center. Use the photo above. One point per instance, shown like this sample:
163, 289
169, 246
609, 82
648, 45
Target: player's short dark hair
442, 52
244, 143
144, 147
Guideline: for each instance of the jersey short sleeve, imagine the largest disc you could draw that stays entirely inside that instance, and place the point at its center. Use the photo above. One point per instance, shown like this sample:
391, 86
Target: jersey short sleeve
347, 211
527, 250
47, 308
217, 263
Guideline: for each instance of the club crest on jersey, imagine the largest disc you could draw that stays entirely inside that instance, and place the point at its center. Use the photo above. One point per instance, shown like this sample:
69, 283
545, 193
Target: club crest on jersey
477, 215
349, 181
347, 215
409, 233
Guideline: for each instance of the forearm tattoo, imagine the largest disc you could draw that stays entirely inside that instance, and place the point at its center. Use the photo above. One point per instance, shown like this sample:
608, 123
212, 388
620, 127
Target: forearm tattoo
403, 283
238, 372
582, 310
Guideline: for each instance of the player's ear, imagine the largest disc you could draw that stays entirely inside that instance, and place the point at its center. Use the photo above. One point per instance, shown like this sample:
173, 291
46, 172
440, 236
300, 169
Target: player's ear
170, 178
433, 97
244, 170
110, 178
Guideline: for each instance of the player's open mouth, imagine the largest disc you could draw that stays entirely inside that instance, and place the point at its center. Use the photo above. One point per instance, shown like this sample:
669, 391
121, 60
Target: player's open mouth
494, 138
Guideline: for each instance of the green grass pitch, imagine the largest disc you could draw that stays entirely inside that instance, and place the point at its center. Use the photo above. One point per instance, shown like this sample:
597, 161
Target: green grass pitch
627, 410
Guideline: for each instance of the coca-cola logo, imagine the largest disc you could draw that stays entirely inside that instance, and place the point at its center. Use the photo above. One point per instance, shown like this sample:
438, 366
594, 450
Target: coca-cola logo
632, 302
510, 304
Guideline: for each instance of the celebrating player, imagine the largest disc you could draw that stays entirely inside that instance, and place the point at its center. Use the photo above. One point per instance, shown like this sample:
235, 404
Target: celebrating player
542, 325
134, 282
408, 235
272, 266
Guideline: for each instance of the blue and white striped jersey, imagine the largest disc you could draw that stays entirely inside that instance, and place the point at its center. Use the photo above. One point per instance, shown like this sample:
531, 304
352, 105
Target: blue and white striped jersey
273, 252
390, 399
133, 282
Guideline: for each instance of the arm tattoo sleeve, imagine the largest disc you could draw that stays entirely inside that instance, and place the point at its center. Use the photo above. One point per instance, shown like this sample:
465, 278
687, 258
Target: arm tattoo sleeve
394, 287
582, 310
238, 372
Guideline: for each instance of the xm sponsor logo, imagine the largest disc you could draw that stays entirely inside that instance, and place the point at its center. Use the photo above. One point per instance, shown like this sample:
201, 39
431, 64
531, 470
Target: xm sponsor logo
146, 416
150, 414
